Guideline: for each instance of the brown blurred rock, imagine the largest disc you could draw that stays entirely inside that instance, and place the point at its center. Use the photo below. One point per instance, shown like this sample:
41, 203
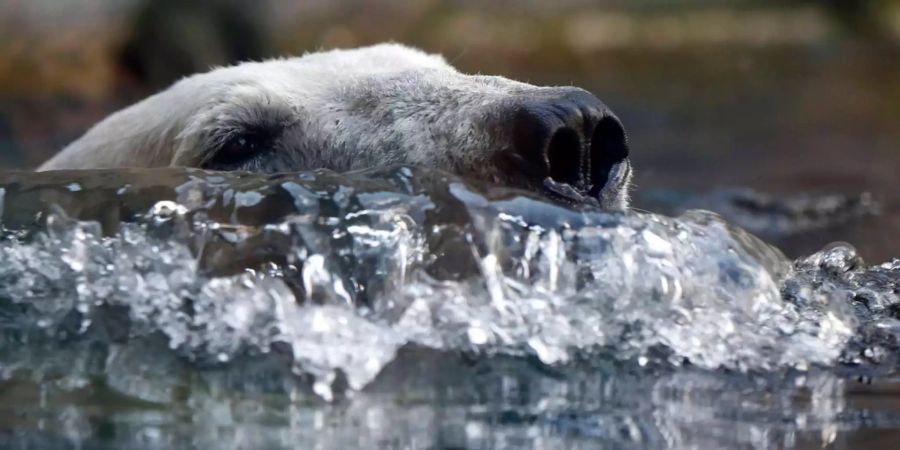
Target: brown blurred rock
173, 38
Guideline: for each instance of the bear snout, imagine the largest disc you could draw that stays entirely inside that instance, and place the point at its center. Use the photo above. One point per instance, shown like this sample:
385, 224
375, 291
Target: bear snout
568, 135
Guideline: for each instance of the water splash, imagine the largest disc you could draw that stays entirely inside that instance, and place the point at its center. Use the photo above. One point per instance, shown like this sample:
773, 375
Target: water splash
357, 274
334, 278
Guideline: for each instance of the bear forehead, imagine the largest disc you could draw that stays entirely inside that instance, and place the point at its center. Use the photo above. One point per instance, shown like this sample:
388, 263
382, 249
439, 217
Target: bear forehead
323, 68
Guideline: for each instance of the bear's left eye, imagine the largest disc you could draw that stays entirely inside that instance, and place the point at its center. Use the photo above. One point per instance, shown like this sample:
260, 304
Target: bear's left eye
239, 150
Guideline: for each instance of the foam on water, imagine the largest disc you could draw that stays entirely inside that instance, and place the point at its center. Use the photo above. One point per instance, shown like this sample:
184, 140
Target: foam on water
343, 278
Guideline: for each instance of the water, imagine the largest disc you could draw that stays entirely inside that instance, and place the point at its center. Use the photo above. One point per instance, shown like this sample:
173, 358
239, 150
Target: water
405, 308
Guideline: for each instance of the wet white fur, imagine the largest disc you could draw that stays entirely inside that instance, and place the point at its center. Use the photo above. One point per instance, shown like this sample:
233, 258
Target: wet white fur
340, 109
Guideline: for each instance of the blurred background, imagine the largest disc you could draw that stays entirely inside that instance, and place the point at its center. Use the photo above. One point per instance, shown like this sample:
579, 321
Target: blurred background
778, 96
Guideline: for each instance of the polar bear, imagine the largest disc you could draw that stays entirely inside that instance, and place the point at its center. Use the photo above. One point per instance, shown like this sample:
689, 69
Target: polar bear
374, 106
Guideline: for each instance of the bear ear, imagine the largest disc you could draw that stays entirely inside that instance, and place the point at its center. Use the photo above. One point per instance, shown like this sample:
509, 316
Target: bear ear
137, 136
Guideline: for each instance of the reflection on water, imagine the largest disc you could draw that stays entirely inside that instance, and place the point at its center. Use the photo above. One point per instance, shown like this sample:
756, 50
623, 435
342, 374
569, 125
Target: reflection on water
409, 308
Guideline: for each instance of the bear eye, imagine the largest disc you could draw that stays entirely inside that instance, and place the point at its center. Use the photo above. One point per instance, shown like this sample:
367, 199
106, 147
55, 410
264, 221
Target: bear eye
238, 151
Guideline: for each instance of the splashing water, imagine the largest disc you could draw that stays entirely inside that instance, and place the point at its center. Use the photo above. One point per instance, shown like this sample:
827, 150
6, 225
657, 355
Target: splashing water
336, 277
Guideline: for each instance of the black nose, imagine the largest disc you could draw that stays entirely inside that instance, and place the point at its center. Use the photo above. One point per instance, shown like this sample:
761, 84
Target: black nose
570, 136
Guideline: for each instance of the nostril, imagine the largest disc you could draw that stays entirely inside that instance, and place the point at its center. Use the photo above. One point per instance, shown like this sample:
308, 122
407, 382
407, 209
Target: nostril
567, 135
608, 148
564, 156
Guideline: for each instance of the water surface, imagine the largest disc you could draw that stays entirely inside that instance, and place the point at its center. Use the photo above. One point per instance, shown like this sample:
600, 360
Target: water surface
411, 308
